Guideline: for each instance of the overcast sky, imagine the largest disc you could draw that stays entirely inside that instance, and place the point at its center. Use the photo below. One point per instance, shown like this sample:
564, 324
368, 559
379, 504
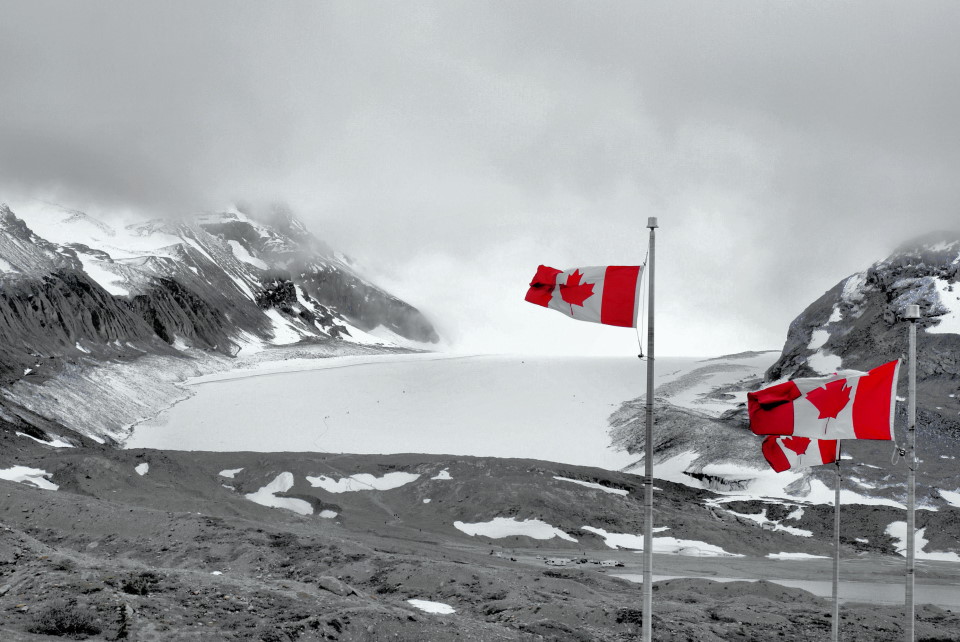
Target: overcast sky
451, 147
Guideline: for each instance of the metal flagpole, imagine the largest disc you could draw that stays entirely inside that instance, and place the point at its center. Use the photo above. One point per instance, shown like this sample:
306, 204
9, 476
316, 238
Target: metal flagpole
911, 314
648, 457
836, 552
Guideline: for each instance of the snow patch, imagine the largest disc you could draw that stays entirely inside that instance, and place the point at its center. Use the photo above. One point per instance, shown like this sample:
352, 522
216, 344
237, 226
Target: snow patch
109, 281
26, 475
426, 501
824, 363
242, 254
624, 540
509, 526
796, 556
362, 481
230, 472
606, 489
328, 514
438, 608
951, 497
442, 475
56, 443
817, 339
898, 531
281, 484
949, 295
142, 469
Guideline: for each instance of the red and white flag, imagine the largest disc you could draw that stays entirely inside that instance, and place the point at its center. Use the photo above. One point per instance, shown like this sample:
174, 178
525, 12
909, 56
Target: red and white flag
783, 453
846, 405
604, 294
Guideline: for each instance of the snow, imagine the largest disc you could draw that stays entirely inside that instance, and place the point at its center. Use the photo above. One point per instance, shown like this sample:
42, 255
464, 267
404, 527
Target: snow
821, 494
82, 349
424, 403
438, 608
230, 472
796, 556
216, 573
442, 475
612, 491
509, 526
818, 338
824, 363
624, 540
836, 316
142, 469
762, 520
362, 481
853, 287
56, 443
26, 475
898, 531
328, 514
686, 383
281, 484
949, 322
242, 254
951, 497
426, 501
283, 331
109, 281
6, 267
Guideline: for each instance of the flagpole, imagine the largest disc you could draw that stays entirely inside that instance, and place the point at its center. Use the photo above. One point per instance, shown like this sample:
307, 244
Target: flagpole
648, 456
836, 552
911, 314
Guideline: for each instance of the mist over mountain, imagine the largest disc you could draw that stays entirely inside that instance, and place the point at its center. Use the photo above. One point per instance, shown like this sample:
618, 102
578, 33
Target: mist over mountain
82, 295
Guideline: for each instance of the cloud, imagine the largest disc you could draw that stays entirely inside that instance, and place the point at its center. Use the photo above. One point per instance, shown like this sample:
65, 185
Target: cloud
783, 146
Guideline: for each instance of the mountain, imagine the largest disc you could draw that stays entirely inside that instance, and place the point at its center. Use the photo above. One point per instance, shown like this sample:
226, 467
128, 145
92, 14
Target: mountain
703, 437
81, 295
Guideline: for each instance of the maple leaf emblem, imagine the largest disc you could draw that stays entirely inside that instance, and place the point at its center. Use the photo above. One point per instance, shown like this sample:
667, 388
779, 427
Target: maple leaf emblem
574, 292
797, 444
831, 398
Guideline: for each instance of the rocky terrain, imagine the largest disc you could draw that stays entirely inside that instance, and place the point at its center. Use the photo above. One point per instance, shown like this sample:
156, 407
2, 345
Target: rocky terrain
855, 325
154, 545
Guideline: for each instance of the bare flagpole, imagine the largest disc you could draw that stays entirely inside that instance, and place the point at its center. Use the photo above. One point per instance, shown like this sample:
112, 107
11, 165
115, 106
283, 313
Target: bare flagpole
911, 314
836, 553
648, 457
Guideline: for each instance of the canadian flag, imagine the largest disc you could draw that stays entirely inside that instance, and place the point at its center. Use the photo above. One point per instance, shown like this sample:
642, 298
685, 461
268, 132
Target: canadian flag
604, 294
846, 405
783, 453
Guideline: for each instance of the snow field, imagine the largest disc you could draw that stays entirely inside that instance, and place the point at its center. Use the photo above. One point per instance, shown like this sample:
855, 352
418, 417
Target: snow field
31, 476
142, 469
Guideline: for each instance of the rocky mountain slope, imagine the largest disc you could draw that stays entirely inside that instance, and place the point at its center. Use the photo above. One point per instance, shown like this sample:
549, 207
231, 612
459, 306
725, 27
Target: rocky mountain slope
78, 293
855, 325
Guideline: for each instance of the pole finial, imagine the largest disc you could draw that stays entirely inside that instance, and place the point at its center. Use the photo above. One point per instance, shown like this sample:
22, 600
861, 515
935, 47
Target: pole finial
652, 222
911, 312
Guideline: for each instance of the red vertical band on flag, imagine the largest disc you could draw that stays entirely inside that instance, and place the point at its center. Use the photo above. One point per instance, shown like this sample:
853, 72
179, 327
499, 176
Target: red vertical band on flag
828, 450
773, 453
620, 295
771, 409
874, 402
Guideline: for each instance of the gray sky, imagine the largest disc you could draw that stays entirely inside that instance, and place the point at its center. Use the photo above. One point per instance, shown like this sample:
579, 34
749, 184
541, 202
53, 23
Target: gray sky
451, 147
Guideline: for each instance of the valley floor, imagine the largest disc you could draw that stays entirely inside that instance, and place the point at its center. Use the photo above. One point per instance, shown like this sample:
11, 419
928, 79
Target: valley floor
168, 545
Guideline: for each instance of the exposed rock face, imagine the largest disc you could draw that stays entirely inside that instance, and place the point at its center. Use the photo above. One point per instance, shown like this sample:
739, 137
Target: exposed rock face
94, 293
858, 324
